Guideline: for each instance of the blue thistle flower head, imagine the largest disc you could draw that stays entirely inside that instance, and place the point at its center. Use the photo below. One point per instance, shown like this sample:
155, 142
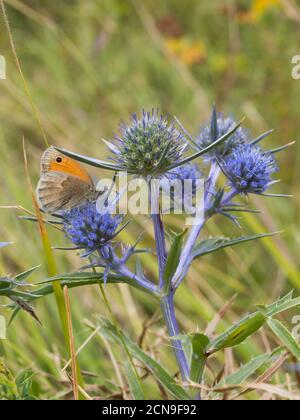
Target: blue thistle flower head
86, 228
249, 169
222, 125
189, 171
149, 145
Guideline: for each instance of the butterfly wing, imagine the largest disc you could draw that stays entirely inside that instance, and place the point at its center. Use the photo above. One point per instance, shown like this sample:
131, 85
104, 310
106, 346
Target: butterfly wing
64, 183
50, 163
57, 191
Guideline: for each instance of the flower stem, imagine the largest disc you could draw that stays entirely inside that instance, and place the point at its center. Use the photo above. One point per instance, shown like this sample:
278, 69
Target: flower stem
145, 284
167, 307
119, 266
160, 245
213, 176
158, 230
186, 254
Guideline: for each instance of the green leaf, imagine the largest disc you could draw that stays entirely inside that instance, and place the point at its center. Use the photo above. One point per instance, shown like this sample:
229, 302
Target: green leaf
199, 343
24, 382
25, 274
173, 258
156, 369
8, 388
83, 278
242, 374
134, 383
14, 314
206, 149
15, 294
91, 161
207, 246
238, 333
284, 336
280, 305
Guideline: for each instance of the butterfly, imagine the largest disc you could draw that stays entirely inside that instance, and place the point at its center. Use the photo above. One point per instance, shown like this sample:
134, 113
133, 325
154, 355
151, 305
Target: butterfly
63, 183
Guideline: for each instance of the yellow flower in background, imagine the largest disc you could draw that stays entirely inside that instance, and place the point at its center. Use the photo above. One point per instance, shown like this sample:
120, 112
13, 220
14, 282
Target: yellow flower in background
188, 51
259, 7
257, 10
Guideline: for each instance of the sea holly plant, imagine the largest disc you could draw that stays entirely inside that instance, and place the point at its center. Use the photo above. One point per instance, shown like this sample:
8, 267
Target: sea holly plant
232, 165
16, 290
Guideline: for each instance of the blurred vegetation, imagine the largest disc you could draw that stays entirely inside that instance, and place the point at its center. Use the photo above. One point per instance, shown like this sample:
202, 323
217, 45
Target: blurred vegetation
89, 64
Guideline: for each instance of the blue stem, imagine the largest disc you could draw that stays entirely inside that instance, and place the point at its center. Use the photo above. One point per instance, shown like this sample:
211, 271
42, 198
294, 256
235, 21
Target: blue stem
167, 306
186, 254
118, 265
160, 246
158, 230
123, 270
214, 173
167, 301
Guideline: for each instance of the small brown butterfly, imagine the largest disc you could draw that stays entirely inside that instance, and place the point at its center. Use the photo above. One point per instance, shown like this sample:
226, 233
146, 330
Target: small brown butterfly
64, 183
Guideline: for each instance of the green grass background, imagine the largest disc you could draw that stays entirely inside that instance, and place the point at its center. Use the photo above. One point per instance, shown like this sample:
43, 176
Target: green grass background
89, 64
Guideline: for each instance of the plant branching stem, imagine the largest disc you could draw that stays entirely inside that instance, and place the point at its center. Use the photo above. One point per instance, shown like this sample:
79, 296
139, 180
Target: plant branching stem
168, 310
159, 233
